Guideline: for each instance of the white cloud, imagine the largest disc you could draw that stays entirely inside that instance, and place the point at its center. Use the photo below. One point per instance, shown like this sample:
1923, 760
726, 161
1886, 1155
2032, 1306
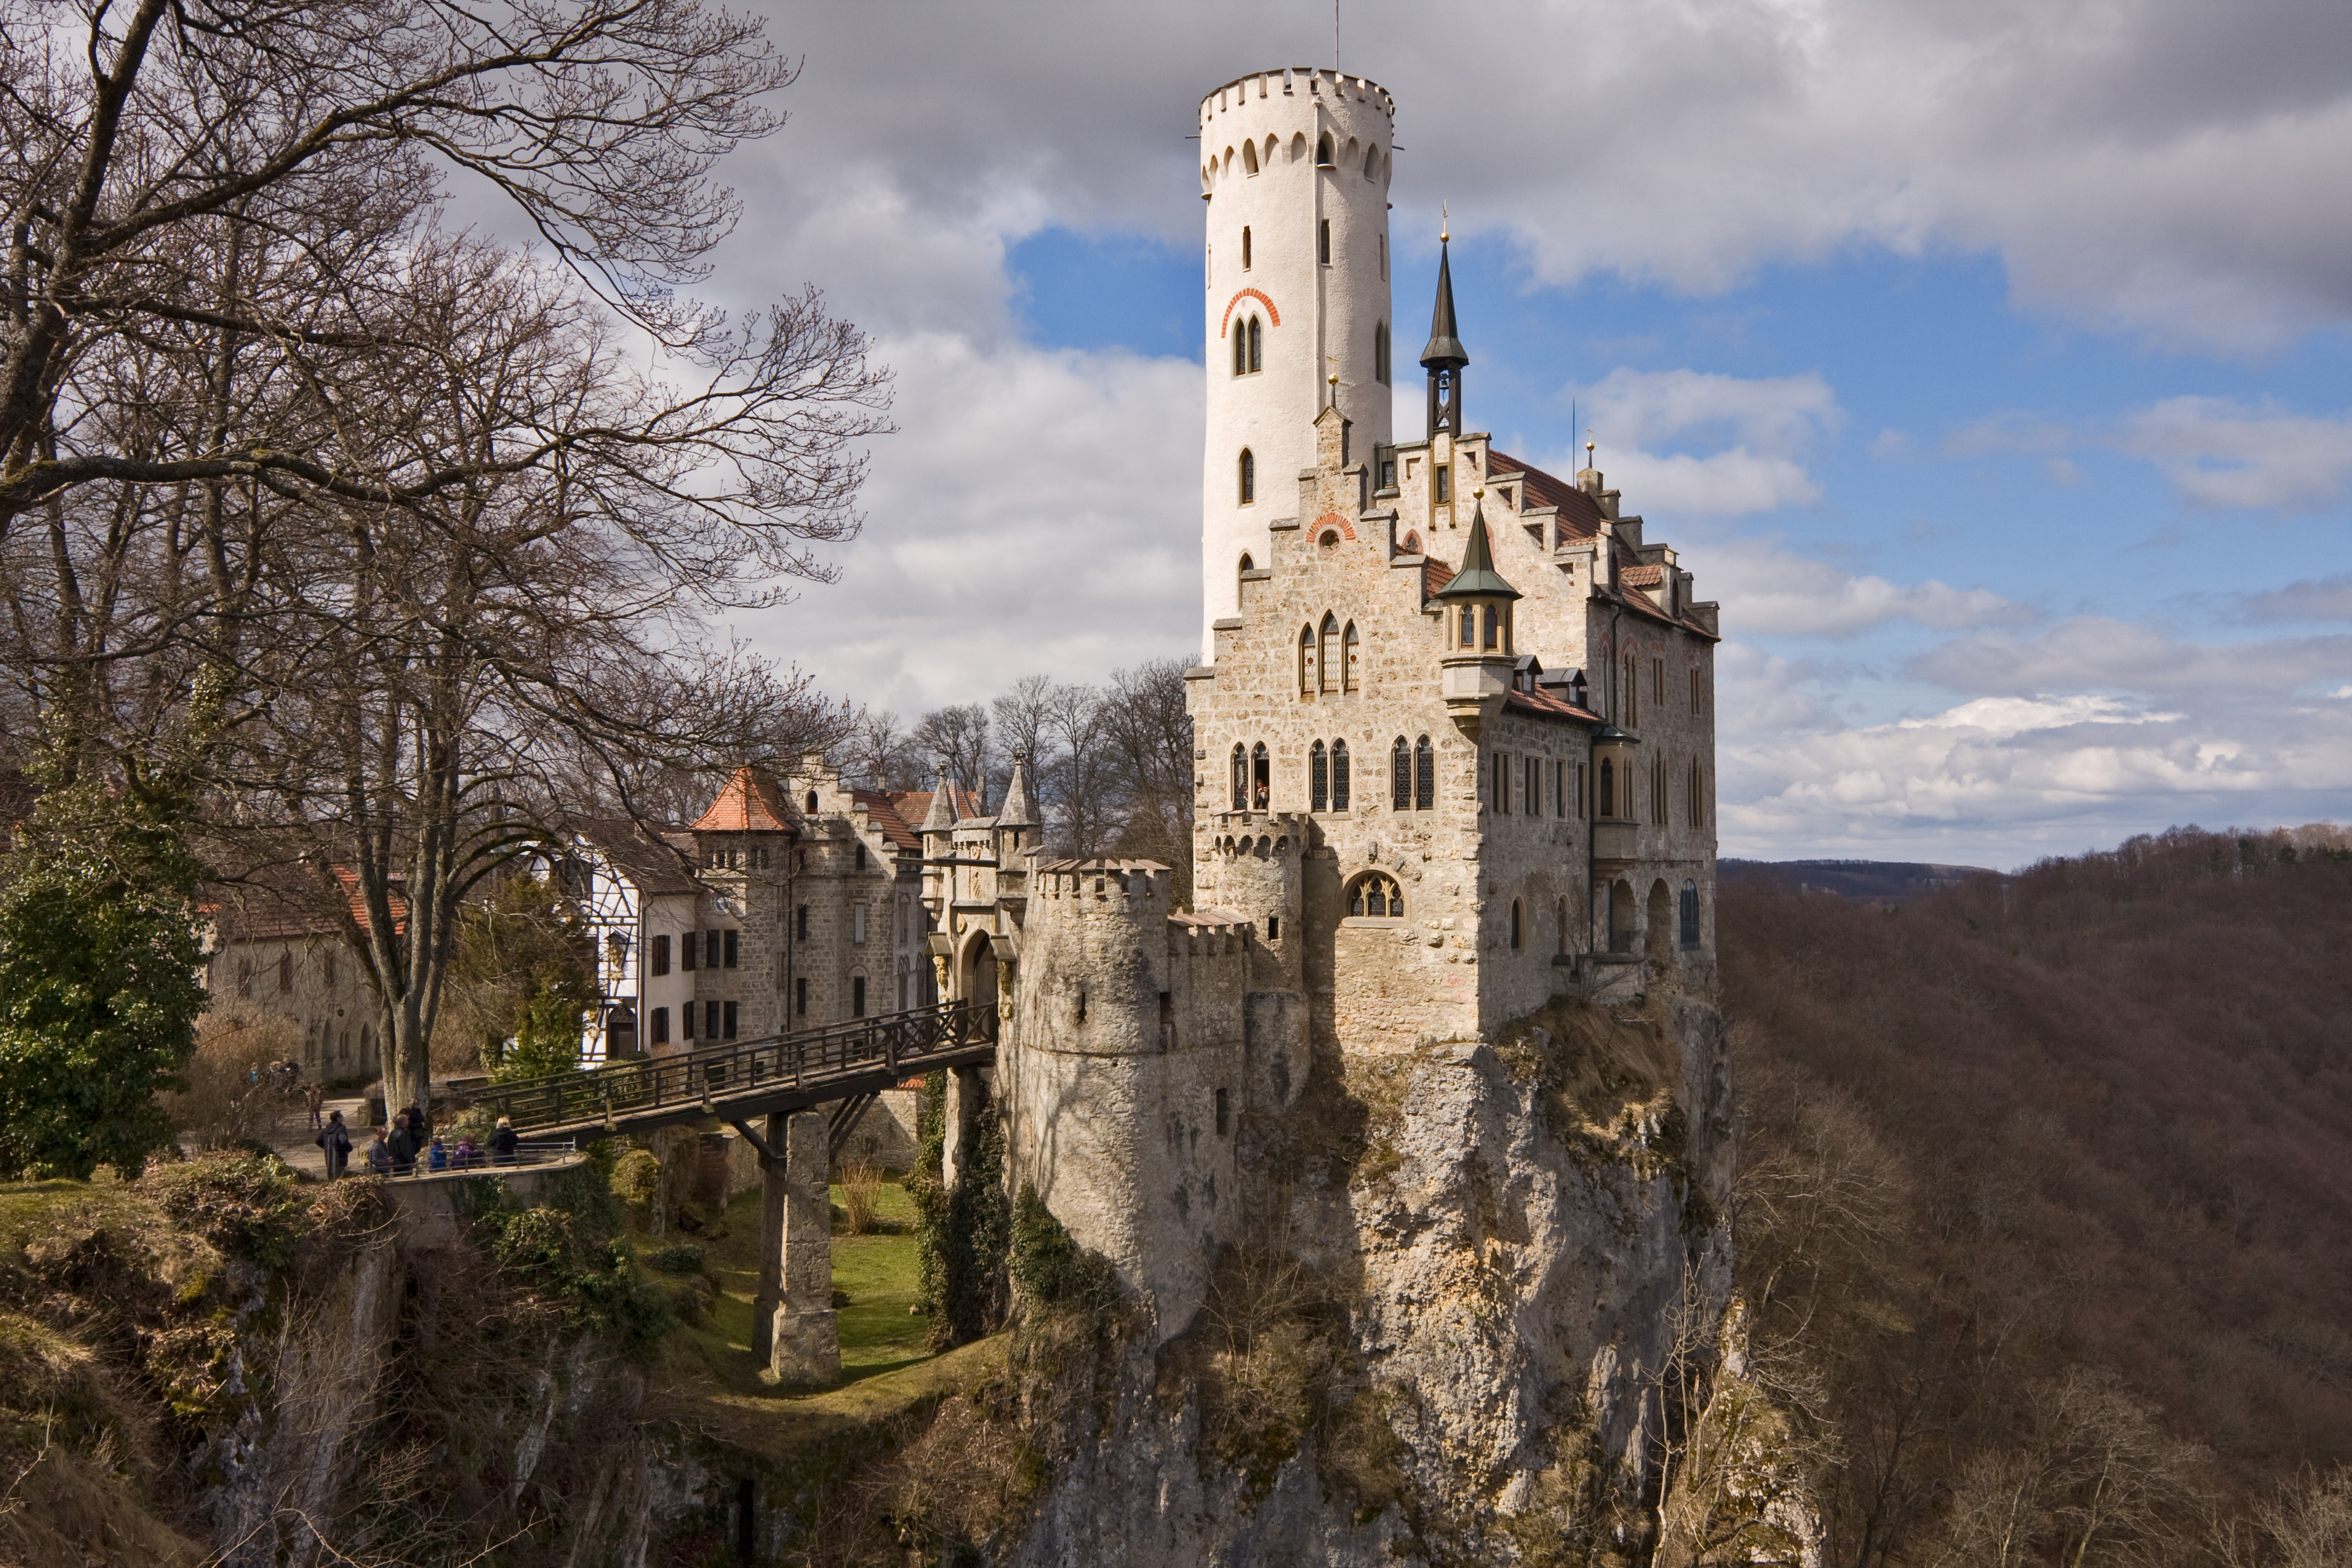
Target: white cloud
2000, 780
1767, 591
1045, 516
1770, 424
2093, 652
2222, 452
2216, 451
2306, 599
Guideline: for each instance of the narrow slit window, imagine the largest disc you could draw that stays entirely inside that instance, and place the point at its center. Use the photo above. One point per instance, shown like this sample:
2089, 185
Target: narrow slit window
1241, 777
1339, 775
1323, 242
1401, 775
1424, 775
1248, 476
1245, 242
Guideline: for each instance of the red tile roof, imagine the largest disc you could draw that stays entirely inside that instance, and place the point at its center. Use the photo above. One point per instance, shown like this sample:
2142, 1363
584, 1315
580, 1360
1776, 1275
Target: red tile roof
1650, 576
653, 866
1545, 705
915, 804
883, 811
282, 903
1435, 574
750, 802
1579, 514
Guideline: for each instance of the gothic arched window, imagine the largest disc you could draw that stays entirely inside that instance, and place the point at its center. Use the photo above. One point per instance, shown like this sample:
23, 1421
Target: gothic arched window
1351, 657
1690, 914
1424, 775
1494, 638
1241, 347
1401, 776
1257, 344
1323, 153
1328, 665
1319, 778
1241, 778
1261, 777
1249, 165
1469, 627
1306, 660
1607, 788
1375, 897
1248, 476
1339, 775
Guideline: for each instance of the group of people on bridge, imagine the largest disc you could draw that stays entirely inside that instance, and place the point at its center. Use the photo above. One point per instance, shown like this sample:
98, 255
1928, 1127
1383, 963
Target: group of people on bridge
410, 1147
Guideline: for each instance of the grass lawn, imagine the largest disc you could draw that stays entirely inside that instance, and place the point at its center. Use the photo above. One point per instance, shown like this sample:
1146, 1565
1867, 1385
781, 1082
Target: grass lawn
878, 1272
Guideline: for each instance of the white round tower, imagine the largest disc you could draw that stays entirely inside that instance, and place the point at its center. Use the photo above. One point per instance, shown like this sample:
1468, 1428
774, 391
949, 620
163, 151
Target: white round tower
1294, 168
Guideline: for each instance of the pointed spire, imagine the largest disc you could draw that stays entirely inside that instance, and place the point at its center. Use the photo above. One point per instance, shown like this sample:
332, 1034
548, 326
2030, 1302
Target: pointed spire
942, 818
1015, 812
1477, 577
1444, 351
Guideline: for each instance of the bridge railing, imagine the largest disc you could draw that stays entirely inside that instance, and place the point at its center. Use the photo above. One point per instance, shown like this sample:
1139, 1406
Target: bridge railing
892, 1041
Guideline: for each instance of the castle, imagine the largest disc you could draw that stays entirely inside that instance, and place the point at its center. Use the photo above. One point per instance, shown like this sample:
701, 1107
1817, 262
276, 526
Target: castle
1454, 759
1454, 732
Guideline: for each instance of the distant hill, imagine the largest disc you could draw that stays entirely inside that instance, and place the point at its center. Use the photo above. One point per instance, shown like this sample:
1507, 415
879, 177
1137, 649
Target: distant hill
1875, 880
2047, 1218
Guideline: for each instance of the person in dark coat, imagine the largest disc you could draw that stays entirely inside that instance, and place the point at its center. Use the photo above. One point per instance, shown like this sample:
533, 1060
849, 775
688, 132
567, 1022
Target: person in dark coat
503, 1143
402, 1144
335, 1140
380, 1154
420, 1125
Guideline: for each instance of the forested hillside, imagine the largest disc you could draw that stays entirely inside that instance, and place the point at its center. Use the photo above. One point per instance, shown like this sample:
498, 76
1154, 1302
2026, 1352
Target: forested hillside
2046, 1213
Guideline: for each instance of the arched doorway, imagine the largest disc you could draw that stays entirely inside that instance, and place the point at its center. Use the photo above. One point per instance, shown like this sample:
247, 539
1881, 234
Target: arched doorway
975, 978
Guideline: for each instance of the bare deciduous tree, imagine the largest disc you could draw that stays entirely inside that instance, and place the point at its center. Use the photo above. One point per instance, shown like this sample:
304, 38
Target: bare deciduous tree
375, 540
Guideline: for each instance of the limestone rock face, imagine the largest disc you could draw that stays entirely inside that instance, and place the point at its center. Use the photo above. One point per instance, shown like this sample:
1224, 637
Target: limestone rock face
1445, 1333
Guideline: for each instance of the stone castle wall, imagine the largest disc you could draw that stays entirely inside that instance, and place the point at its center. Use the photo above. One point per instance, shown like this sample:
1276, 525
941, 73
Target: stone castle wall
1123, 1079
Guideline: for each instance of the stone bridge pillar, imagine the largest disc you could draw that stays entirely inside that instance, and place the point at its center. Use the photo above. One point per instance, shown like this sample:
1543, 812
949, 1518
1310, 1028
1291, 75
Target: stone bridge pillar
966, 1092
793, 1327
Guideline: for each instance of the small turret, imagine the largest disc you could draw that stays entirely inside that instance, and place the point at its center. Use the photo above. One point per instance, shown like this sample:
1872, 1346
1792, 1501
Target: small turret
942, 818
1476, 607
1016, 811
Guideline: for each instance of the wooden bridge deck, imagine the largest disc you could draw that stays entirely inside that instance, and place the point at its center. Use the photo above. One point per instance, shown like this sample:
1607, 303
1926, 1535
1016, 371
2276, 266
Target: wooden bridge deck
756, 1078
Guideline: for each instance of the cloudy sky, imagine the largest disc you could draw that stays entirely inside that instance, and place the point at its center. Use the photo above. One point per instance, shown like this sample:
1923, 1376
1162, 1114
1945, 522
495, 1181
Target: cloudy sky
1992, 363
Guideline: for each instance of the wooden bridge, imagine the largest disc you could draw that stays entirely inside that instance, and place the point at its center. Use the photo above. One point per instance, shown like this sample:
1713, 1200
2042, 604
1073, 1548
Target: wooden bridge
846, 1065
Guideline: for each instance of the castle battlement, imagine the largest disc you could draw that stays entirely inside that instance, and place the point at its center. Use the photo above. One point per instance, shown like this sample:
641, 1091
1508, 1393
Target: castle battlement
1314, 83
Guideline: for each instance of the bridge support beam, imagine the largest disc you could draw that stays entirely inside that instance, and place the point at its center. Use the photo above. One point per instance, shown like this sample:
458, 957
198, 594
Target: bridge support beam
965, 1094
793, 1327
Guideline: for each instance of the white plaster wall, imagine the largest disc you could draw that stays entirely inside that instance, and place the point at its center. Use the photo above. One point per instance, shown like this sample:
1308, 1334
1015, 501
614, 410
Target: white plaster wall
1324, 311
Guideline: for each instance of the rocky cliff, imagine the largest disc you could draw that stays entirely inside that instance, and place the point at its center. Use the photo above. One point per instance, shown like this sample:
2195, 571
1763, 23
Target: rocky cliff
1447, 1336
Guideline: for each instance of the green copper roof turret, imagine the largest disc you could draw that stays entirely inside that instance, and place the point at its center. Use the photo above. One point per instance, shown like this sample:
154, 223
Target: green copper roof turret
1477, 577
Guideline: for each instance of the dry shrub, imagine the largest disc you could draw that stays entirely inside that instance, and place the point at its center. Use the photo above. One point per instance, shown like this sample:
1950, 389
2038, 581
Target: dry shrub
72, 1452
222, 1105
861, 1193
